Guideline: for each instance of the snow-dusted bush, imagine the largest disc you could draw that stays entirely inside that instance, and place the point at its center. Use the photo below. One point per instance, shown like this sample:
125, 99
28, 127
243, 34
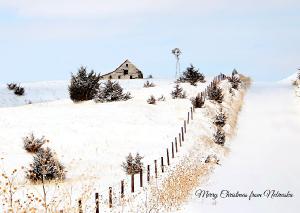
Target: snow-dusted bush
33, 144
219, 137
151, 100
178, 92
45, 166
84, 86
18, 90
11, 86
220, 119
198, 101
133, 165
235, 81
192, 75
161, 98
148, 84
214, 93
111, 91
150, 76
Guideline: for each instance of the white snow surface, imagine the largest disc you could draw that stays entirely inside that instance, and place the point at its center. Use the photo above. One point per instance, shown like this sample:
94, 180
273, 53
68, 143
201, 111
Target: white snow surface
92, 139
263, 156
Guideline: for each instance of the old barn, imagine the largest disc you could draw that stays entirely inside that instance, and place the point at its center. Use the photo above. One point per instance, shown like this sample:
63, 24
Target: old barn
126, 70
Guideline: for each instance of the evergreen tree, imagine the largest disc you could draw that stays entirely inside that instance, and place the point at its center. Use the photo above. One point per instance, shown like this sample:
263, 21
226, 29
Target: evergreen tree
33, 144
45, 166
215, 93
220, 119
235, 81
84, 86
192, 75
219, 137
133, 165
11, 86
234, 72
178, 92
18, 90
148, 84
151, 100
198, 101
111, 91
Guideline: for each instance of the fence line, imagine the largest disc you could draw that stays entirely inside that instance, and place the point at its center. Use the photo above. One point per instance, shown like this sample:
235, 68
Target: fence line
190, 117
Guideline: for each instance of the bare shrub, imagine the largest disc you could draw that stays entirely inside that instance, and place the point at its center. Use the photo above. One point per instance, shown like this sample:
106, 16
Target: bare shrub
33, 144
133, 165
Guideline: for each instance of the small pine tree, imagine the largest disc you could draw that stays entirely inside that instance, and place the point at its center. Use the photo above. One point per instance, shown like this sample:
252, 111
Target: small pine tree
178, 92
234, 72
111, 91
148, 84
220, 119
219, 137
18, 90
198, 101
133, 165
215, 93
161, 98
11, 86
45, 166
84, 86
235, 81
33, 144
192, 75
151, 100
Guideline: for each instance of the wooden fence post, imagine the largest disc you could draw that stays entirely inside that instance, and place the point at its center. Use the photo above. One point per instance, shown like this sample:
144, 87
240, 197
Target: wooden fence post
110, 197
184, 124
172, 150
61, 211
182, 134
97, 202
80, 206
122, 188
179, 137
141, 178
176, 148
188, 118
162, 165
132, 183
168, 157
191, 113
148, 173
155, 168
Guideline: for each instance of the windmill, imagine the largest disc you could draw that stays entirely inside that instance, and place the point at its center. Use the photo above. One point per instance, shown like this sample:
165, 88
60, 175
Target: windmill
177, 52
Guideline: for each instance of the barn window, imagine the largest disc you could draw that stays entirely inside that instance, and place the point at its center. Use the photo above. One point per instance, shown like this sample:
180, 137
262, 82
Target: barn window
125, 72
131, 77
119, 76
110, 77
126, 65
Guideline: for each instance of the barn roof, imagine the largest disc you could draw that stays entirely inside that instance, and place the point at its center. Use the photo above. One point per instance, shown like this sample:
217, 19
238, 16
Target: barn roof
126, 61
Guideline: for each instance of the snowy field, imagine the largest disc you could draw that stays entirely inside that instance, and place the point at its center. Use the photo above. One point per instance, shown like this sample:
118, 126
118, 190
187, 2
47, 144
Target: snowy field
92, 139
263, 156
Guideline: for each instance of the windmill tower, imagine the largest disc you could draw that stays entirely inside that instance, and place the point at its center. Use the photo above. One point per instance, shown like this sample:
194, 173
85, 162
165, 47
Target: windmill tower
177, 52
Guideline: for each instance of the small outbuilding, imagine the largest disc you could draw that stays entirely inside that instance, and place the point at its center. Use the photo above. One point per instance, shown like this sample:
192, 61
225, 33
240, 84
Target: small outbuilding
126, 70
